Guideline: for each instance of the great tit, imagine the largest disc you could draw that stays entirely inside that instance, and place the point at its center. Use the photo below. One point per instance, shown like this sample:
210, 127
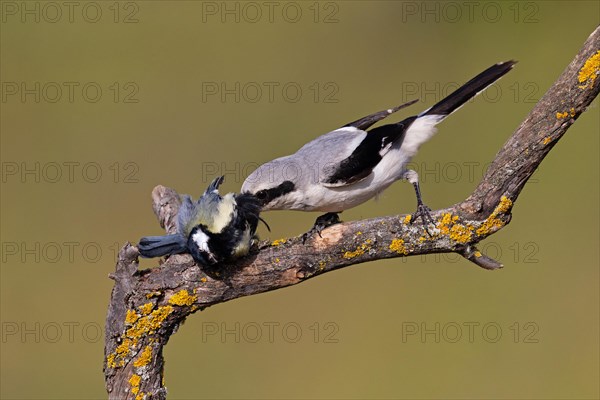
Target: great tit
213, 229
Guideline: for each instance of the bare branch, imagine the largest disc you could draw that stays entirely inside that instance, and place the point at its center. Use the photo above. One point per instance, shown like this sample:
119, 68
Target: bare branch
147, 306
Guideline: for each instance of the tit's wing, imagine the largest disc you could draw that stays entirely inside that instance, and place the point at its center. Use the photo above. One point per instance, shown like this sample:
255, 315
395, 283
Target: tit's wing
203, 212
366, 155
186, 216
365, 122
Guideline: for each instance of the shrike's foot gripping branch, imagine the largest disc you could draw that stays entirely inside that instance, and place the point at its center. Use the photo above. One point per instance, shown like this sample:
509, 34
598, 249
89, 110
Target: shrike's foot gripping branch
322, 222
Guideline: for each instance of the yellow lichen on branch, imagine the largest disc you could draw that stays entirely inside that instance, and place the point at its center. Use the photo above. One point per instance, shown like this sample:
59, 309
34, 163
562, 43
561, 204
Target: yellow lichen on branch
322, 265
278, 242
117, 359
144, 358
359, 251
589, 71
561, 115
493, 223
134, 381
458, 232
131, 317
146, 308
397, 246
149, 324
139, 326
183, 298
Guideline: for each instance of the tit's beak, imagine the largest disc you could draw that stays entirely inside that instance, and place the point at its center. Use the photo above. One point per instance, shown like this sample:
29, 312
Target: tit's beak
200, 259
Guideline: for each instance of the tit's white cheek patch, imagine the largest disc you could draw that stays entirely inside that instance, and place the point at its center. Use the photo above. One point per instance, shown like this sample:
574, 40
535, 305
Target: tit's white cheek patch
201, 239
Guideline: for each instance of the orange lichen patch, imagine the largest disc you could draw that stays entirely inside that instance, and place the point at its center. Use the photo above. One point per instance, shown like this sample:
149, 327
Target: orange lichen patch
143, 326
561, 115
135, 381
359, 251
131, 317
146, 308
144, 358
445, 222
547, 140
504, 206
116, 359
493, 223
203, 280
278, 242
111, 361
183, 298
461, 233
589, 71
397, 246
149, 323
449, 225
322, 265
407, 219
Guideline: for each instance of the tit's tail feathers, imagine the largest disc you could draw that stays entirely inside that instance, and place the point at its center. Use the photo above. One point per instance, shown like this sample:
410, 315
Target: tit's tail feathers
469, 90
158, 246
214, 185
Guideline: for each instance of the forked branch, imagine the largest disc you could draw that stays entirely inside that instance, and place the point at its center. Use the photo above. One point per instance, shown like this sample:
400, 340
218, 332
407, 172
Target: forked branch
147, 306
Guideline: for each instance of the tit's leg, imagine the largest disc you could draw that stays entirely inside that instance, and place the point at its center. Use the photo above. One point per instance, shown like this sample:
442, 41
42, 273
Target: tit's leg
322, 222
422, 210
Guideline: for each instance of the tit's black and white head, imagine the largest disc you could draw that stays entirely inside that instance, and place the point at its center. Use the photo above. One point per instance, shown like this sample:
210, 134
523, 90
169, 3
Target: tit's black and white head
218, 227
213, 229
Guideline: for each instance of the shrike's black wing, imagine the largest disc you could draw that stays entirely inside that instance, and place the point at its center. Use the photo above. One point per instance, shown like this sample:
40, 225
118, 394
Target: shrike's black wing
366, 155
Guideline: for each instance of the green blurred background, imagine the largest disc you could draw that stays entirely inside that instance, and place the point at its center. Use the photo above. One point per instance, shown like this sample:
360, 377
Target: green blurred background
78, 168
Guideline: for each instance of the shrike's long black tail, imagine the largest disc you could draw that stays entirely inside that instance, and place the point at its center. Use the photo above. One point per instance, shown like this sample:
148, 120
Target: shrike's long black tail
469, 90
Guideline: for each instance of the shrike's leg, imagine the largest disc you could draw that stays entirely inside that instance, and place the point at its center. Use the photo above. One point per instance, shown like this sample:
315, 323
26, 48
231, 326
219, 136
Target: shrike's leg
322, 222
422, 210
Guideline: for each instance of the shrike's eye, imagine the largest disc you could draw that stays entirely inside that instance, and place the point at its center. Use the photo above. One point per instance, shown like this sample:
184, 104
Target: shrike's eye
261, 194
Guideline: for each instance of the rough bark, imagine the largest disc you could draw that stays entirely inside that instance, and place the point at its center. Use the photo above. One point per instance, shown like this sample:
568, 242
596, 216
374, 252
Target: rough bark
147, 306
